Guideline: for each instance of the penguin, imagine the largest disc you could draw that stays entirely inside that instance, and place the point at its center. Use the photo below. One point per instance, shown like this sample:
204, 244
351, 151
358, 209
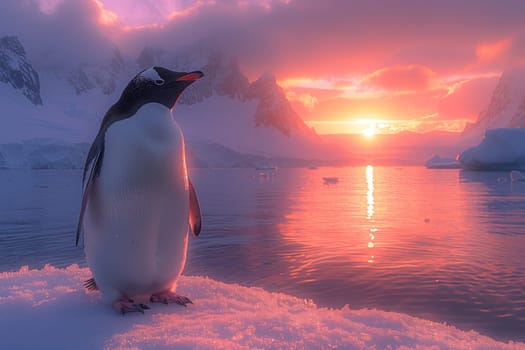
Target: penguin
138, 203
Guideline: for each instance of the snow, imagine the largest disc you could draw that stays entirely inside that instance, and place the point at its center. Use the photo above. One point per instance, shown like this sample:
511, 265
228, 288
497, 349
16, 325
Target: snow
64, 117
501, 149
48, 308
438, 162
43, 154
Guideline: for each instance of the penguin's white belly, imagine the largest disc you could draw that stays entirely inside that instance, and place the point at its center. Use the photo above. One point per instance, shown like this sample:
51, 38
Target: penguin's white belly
136, 225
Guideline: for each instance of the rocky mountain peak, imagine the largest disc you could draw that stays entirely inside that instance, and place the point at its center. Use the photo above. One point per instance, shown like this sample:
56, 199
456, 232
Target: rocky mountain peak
267, 78
273, 108
507, 105
223, 77
17, 71
13, 44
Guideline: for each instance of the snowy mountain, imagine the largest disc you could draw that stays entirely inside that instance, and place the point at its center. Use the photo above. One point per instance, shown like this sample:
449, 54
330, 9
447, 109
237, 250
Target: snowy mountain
224, 108
103, 76
223, 78
506, 108
17, 71
64, 105
273, 108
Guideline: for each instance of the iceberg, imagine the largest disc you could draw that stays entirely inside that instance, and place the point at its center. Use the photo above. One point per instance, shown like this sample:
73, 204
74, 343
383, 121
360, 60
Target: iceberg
51, 306
438, 162
501, 149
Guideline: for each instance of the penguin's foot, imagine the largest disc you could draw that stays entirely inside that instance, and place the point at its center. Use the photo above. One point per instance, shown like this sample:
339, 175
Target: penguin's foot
168, 297
126, 305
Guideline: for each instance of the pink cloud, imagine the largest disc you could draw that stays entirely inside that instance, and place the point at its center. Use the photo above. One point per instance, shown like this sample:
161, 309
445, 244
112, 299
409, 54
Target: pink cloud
494, 50
347, 49
306, 99
401, 78
468, 100
321, 39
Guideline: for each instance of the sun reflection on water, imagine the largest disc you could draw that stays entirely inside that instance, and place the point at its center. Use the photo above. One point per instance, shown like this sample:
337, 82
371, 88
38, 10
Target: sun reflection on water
370, 191
370, 209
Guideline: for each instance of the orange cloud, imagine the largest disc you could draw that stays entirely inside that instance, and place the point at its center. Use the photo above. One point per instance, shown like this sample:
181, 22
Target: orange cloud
191, 10
106, 17
491, 51
401, 78
308, 100
357, 126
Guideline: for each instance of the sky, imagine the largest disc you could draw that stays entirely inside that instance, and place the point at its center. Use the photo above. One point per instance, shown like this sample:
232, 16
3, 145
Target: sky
367, 66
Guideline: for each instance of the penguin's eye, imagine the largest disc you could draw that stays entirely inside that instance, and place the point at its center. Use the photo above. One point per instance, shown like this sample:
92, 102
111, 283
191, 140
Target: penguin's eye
159, 82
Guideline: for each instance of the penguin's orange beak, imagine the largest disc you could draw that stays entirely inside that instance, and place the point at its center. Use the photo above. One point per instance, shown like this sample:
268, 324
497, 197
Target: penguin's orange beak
191, 76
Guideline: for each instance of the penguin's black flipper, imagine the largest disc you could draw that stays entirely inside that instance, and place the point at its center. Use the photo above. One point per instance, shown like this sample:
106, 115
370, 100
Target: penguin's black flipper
92, 169
195, 212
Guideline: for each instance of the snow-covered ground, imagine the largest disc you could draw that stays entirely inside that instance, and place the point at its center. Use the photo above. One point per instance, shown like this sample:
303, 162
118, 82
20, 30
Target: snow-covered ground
49, 309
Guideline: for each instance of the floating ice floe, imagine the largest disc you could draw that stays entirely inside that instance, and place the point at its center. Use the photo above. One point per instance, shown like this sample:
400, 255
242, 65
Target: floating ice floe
438, 162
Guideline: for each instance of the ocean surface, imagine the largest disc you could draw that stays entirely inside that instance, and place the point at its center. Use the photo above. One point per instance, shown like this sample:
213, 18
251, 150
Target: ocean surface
445, 245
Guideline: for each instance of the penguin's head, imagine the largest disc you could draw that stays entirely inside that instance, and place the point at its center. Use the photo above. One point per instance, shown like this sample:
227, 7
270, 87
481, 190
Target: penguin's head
161, 85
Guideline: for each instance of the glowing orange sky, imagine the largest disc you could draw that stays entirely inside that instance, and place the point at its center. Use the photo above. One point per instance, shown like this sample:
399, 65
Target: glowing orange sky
400, 64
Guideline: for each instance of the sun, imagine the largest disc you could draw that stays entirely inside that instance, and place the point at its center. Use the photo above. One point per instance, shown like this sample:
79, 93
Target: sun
370, 131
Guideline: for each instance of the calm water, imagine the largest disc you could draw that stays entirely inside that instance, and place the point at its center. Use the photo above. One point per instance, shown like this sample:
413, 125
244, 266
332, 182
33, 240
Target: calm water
444, 245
